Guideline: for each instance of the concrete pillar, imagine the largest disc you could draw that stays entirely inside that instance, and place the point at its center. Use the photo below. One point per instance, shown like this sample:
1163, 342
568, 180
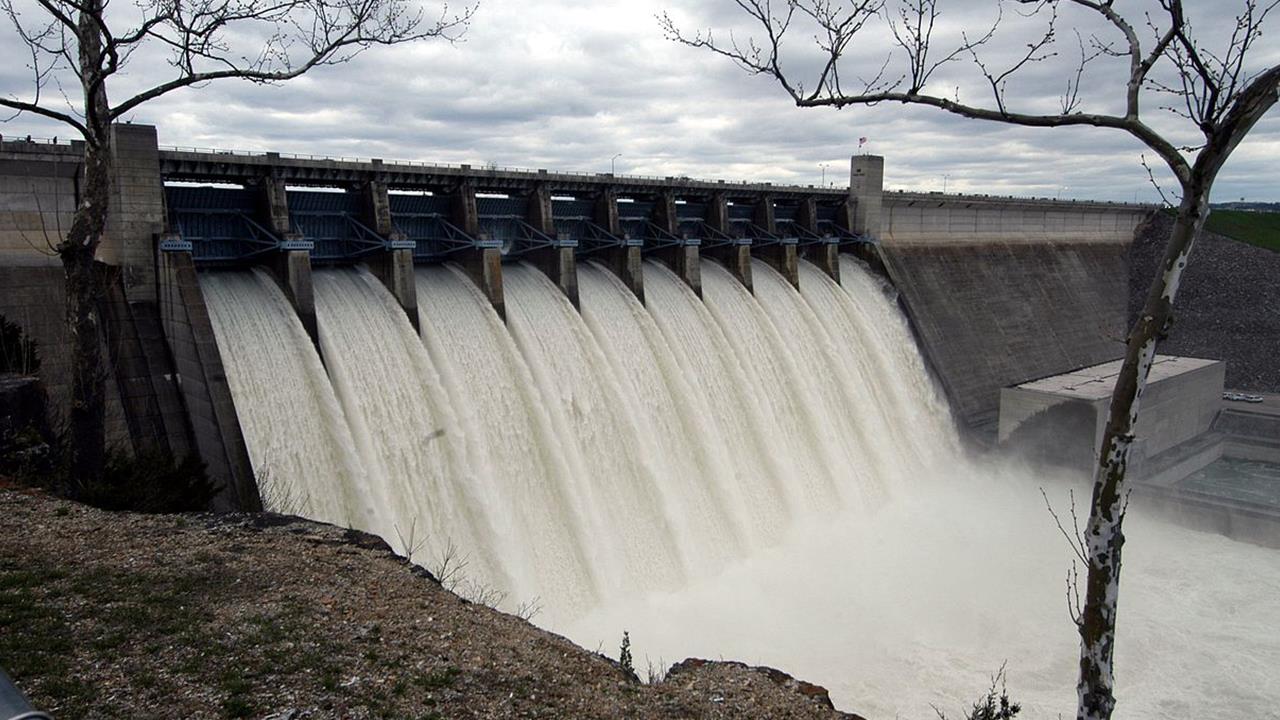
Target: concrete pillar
684, 258
826, 255
484, 267
275, 206
733, 256
375, 207
293, 272
765, 217
606, 215
203, 382
559, 263
482, 264
394, 266
866, 188
540, 213
137, 209
625, 262
718, 213
664, 213
738, 259
807, 214
465, 215
781, 256
292, 267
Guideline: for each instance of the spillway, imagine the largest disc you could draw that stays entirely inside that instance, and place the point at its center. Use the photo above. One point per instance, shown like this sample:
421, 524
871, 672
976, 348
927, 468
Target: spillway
771, 477
297, 435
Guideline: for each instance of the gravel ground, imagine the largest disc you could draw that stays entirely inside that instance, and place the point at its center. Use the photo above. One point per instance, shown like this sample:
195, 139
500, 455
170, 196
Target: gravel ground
113, 615
1228, 306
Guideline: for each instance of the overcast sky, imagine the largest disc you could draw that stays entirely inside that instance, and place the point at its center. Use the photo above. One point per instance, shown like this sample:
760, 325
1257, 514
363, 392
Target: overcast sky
569, 84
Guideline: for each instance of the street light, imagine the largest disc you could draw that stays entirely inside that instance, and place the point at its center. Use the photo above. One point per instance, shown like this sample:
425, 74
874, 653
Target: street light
612, 165
824, 167
945, 178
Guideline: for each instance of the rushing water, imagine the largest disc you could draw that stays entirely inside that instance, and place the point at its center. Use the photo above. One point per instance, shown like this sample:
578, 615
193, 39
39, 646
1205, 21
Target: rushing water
769, 477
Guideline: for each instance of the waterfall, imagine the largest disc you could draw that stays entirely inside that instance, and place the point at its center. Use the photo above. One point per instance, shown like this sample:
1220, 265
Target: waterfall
295, 430
415, 453
524, 474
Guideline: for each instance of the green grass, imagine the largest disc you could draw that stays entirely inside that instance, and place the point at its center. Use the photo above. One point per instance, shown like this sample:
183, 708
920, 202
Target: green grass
1256, 228
58, 619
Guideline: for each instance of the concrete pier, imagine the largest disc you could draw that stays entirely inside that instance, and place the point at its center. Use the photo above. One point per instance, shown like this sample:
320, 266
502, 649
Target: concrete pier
482, 264
203, 380
559, 263
782, 256
292, 263
394, 266
684, 258
734, 256
293, 271
625, 262
824, 254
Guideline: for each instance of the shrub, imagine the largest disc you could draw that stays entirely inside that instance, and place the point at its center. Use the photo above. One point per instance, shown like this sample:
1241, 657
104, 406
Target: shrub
994, 705
624, 654
150, 482
18, 353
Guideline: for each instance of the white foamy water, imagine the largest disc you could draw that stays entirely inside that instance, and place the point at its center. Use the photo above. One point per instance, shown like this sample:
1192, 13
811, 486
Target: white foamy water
297, 436
527, 478
773, 479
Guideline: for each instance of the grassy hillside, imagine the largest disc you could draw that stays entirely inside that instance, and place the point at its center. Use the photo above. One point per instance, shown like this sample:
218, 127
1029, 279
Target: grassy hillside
1256, 228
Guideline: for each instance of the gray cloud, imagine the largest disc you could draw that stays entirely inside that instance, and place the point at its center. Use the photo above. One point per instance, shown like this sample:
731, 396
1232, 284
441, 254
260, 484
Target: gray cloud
564, 85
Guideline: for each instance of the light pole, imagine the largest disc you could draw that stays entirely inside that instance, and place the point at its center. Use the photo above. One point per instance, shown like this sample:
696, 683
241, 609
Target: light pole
612, 163
824, 167
945, 178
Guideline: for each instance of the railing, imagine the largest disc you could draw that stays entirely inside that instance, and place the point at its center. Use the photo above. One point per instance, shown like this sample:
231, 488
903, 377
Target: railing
14, 705
491, 167
483, 167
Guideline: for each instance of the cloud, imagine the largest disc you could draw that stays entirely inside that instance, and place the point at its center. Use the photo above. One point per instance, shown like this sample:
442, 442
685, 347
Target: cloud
559, 84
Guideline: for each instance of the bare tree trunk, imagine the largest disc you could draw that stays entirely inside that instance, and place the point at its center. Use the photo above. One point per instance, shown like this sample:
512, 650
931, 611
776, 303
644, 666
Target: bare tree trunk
1104, 538
87, 446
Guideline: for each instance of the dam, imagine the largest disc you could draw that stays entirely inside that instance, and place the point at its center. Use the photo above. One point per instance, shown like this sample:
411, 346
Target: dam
672, 406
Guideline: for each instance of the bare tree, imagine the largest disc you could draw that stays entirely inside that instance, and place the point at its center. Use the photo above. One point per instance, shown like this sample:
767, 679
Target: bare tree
75, 49
1206, 99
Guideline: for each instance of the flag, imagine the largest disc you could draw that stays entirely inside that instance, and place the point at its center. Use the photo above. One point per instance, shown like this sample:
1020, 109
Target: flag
862, 141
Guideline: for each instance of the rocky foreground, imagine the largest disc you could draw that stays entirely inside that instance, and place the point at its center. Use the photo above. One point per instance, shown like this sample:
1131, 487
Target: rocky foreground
106, 615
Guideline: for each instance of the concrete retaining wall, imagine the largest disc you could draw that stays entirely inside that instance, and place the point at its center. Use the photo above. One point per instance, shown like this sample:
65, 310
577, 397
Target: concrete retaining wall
994, 314
203, 381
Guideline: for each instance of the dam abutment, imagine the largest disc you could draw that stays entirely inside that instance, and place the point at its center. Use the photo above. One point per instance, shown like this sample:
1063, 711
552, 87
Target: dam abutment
197, 362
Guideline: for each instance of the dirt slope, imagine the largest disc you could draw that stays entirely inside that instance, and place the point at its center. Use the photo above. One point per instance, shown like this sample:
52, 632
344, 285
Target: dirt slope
203, 616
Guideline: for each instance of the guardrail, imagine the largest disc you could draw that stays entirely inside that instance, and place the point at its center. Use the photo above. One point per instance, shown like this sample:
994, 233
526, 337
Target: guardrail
14, 705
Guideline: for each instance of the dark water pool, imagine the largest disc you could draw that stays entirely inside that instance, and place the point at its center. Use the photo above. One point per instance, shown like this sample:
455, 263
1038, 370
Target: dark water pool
1244, 480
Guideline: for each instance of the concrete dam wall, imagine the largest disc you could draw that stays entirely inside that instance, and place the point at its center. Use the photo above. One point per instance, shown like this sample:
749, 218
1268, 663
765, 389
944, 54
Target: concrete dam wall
998, 290
1002, 292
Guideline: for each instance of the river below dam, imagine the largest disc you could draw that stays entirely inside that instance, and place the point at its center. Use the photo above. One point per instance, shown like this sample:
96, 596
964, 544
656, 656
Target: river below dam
772, 478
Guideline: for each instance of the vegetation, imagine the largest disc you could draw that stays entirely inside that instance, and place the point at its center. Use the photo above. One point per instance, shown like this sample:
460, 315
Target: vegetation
150, 482
18, 353
1256, 228
994, 705
624, 654
51, 615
